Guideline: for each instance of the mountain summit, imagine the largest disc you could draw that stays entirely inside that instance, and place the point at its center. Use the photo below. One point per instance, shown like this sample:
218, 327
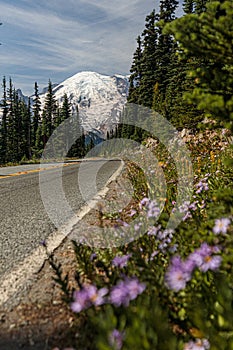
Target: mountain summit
100, 98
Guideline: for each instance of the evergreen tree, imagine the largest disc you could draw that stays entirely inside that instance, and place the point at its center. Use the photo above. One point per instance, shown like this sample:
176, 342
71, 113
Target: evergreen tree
65, 109
200, 6
26, 128
63, 132
166, 57
49, 114
3, 125
39, 145
36, 114
136, 73
18, 127
77, 137
188, 6
167, 10
212, 36
11, 139
149, 63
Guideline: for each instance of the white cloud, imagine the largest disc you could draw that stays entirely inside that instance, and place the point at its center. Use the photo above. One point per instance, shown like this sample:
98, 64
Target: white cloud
55, 39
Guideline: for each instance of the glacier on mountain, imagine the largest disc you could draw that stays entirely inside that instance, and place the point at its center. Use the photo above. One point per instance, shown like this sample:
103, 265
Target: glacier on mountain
100, 98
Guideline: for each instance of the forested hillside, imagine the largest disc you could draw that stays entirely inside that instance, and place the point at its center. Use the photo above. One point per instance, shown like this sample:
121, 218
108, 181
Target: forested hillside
182, 68
26, 127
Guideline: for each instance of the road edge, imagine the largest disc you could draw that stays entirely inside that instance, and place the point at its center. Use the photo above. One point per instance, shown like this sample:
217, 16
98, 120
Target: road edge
25, 274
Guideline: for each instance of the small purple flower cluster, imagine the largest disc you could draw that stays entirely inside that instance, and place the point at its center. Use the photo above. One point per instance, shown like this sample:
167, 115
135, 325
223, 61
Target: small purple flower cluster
125, 291
151, 206
116, 339
188, 208
87, 296
202, 185
180, 272
121, 261
164, 237
120, 294
198, 344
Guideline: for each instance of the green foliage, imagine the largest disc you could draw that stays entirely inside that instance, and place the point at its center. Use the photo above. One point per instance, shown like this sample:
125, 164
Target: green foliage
208, 38
158, 78
161, 318
25, 129
36, 115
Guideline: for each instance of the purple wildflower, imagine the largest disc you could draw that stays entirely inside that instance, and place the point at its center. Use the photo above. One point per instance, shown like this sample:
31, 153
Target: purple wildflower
202, 185
153, 209
221, 226
143, 202
81, 301
137, 226
97, 296
204, 259
194, 260
173, 248
177, 275
116, 339
164, 238
134, 287
133, 212
119, 294
166, 234
122, 223
121, 261
197, 257
86, 297
193, 206
184, 207
188, 215
93, 256
125, 291
211, 263
153, 230
176, 279
153, 255
198, 344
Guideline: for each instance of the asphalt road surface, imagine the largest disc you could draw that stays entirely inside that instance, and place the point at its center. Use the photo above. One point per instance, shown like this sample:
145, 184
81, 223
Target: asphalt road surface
24, 222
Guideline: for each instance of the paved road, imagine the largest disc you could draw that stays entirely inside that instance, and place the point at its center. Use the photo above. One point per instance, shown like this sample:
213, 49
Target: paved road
24, 222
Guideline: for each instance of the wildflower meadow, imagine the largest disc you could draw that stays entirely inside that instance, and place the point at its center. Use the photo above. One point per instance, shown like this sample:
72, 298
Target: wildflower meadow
169, 288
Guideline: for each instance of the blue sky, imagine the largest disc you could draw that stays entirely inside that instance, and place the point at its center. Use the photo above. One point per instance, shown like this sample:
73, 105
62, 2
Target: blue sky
54, 39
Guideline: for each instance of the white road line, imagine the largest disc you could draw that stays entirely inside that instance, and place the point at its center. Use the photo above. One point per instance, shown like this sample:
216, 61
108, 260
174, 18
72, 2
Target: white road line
13, 281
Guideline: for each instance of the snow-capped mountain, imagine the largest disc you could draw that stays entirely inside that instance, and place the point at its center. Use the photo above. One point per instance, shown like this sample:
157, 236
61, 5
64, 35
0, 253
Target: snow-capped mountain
100, 98
22, 96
